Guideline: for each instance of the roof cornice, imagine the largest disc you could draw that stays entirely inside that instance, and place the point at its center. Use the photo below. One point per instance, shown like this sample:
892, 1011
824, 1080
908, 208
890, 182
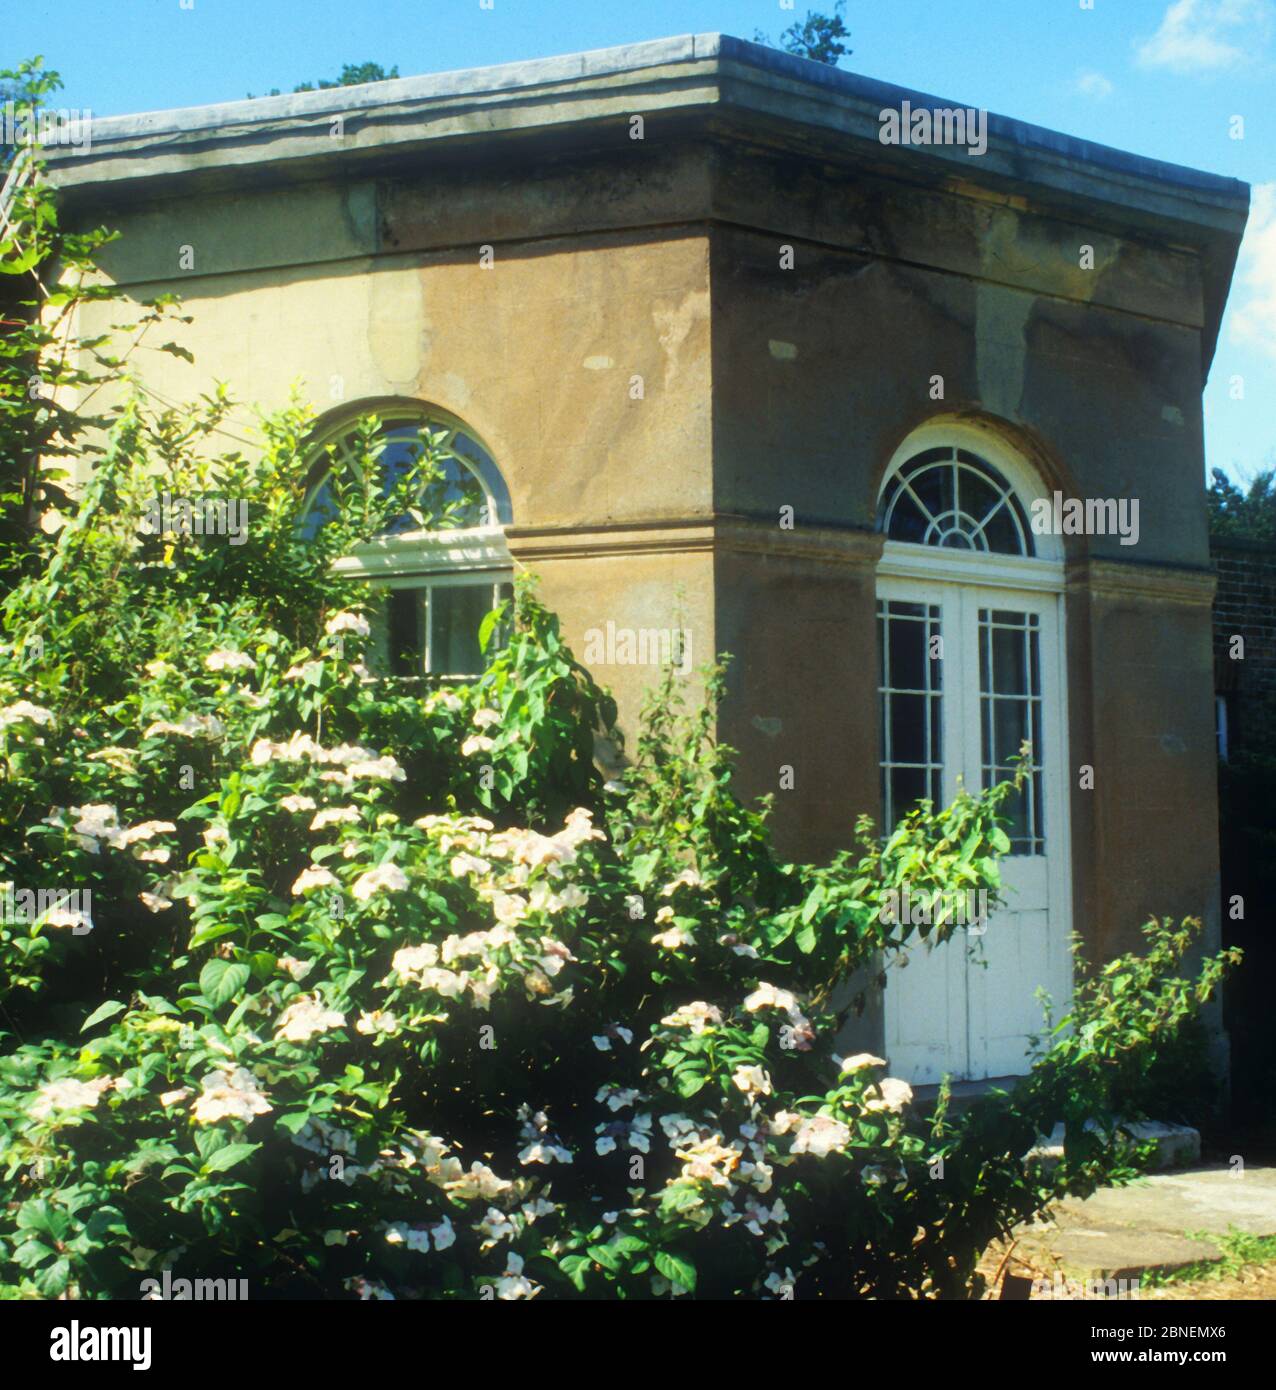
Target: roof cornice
744, 74
712, 83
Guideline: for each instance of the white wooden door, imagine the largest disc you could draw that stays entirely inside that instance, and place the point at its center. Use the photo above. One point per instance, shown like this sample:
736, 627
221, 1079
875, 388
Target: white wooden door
967, 674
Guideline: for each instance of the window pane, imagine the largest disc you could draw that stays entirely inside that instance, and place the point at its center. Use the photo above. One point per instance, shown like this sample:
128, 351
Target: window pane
1008, 666
910, 684
978, 496
456, 613
1017, 809
933, 487
1010, 710
1011, 728
955, 500
908, 521
404, 628
1002, 534
908, 786
908, 728
908, 656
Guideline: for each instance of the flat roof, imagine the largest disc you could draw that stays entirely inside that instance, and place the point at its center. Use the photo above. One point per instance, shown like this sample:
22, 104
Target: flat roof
845, 96
599, 64
711, 79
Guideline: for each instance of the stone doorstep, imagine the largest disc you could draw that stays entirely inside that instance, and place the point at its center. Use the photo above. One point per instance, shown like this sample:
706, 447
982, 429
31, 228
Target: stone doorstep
1176, 1145
1124, 1232
1124, 1254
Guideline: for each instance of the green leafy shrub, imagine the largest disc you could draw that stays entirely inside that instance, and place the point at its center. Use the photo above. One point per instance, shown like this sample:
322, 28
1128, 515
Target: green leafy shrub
388, 994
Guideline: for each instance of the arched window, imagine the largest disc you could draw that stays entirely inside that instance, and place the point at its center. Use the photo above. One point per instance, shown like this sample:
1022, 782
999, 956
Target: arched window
953, 660
951, 498
438, 583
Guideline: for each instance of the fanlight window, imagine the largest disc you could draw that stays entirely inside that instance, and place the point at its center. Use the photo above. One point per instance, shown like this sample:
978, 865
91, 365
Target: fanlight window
437, 584
469, 492
951, 498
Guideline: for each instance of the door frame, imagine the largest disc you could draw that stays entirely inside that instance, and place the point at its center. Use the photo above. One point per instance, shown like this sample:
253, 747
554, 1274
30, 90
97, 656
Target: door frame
903, 568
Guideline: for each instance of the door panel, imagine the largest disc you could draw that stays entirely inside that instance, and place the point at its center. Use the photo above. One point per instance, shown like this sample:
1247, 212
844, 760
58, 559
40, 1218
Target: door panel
967, 1008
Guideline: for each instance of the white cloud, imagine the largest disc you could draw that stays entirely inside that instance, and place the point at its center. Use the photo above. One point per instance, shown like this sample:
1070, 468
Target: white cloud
1207, 35
1094, 84
1254, 318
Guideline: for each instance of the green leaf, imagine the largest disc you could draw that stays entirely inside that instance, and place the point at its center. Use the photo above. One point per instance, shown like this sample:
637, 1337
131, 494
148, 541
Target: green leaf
206, 934
52, 1279
228, 1157
689, 1083
488, 626
158, 1005
208, 1139
605, 1256
221, 980
31, 1253
675, 1268
106, 1221
643, 867
39, 1215
813, 903
575, 1268
107, 1010
680, 1196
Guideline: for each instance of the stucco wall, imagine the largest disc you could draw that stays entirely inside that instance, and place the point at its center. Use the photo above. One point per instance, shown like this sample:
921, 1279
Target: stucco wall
582, 363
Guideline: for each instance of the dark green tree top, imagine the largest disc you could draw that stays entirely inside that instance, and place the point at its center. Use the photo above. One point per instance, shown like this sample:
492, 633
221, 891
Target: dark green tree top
352, 75
818, 36
1247, 515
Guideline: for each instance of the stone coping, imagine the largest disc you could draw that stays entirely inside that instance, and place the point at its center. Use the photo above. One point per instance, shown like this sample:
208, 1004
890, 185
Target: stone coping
744, 74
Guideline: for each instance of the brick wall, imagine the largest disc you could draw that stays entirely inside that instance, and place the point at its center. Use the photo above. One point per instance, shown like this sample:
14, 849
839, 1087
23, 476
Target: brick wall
1245, 606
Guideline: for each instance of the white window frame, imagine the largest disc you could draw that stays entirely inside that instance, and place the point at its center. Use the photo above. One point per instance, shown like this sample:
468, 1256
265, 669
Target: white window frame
428, 560
904, 560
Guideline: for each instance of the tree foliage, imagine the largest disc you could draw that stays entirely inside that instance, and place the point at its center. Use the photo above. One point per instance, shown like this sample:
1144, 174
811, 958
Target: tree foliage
1243, 515
818, 36
352, 75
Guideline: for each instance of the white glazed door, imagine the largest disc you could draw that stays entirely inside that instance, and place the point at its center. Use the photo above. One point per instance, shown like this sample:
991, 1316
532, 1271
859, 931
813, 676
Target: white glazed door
967, 675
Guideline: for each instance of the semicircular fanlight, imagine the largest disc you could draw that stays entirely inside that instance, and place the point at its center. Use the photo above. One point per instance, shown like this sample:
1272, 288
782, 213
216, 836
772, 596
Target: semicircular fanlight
950, 498
466, 491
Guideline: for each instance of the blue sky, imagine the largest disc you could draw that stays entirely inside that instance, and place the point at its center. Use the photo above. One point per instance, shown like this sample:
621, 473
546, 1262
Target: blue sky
1163, 78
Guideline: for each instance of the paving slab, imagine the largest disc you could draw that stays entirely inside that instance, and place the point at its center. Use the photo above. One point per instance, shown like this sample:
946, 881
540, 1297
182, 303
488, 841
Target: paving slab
1162, 1222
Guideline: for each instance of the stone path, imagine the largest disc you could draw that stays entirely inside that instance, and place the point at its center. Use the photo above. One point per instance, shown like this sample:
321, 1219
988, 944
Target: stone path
1128, 1231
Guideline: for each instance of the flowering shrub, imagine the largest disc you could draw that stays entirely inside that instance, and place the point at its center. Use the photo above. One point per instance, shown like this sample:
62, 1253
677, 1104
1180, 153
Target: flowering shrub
377, 992
387, 994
